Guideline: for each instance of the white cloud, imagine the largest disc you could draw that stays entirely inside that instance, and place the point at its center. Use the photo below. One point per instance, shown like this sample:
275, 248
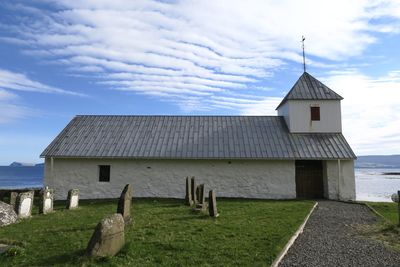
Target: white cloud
205, 55
9, 110
20, 82
10, 107
370, 110
197, 47
264, 106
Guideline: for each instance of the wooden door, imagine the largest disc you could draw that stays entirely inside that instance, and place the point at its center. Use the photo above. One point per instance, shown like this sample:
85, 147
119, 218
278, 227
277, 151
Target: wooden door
309, 179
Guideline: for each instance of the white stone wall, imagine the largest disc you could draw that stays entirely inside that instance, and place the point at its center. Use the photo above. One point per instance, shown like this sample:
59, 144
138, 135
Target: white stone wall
340, 182
166, 178
298, 116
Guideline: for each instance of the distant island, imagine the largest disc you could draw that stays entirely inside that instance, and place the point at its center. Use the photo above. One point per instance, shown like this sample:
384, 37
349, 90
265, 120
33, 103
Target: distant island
378, 161
24, 164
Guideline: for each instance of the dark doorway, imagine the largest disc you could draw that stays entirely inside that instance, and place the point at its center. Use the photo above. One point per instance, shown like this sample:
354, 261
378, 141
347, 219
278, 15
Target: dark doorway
309, 179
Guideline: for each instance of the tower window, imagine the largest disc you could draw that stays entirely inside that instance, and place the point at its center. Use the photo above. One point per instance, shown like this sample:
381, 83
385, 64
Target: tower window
104, 173
315, 114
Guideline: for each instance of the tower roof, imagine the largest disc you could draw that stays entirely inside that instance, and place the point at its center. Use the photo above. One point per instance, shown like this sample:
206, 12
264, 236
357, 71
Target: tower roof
309, 88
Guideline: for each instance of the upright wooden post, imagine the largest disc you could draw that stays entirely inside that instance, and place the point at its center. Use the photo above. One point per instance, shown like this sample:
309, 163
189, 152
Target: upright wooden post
398, 205
193, 189
188, 196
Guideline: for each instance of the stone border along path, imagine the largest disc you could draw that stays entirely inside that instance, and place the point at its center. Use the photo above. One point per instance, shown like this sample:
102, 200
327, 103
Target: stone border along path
291, 241
330, 238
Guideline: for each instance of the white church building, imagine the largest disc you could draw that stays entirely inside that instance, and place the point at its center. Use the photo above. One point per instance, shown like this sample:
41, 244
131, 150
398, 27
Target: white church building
301, 153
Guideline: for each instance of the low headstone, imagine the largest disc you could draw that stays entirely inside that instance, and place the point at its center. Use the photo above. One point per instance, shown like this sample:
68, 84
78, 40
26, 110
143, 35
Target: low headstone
124, 203
24, 204
193, 189
108, 237
13, 199
7, 214
47, 199
212, 204
188, 196
73, 199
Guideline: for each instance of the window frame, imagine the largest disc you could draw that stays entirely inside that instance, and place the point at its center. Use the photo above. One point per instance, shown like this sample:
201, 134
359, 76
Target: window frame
315, 113
107, 177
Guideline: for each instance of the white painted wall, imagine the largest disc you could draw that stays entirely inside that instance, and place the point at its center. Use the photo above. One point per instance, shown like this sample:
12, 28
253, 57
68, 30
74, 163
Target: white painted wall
340, 180
298, 116
166, 178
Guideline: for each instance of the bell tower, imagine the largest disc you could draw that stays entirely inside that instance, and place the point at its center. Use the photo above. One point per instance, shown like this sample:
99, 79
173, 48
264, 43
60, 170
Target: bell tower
311, 107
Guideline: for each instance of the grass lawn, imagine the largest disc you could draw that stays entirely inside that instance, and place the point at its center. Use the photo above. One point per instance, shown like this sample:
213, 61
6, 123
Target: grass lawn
387, 210
165, 232
388, 230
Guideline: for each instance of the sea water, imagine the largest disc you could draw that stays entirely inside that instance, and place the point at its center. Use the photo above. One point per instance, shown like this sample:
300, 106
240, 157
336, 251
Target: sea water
21, 177
374, 185
371, 184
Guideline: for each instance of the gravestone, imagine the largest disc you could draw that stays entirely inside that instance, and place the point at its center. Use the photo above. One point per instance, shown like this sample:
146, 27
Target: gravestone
124, 203
47, 199
73, 199
188, 196
212, 204
24, 204
7, 214
13, 199
193, 189
201, 198
108, 237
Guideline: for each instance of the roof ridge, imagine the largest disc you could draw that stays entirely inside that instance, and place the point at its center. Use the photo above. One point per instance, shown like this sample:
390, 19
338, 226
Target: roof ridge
114, 115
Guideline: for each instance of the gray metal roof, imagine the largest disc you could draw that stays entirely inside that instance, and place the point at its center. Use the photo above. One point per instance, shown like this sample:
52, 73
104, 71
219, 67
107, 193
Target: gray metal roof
309, 88
193, 137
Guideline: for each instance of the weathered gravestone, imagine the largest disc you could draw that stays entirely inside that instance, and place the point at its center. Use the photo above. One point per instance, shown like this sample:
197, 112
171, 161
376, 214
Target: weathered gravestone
7, 214
108, 237
24, 204
193, 189
212, 204
124, 203
13, 199
47, 199
73, 199
201, 198
188, 196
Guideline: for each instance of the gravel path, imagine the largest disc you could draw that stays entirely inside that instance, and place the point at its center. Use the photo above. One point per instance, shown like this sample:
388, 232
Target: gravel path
330, 239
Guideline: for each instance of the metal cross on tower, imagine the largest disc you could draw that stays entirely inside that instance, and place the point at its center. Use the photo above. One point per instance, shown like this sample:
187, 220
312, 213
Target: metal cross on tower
304, 56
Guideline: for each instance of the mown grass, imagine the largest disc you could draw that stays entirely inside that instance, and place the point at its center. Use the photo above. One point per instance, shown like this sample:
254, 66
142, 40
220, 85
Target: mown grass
387, 231
165, 232
387, 210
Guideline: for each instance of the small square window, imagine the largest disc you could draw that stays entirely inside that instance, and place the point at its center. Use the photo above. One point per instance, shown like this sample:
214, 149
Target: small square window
104, 173
315, 114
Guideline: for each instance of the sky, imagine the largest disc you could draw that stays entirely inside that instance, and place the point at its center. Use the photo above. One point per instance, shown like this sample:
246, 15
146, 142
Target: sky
62, 58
